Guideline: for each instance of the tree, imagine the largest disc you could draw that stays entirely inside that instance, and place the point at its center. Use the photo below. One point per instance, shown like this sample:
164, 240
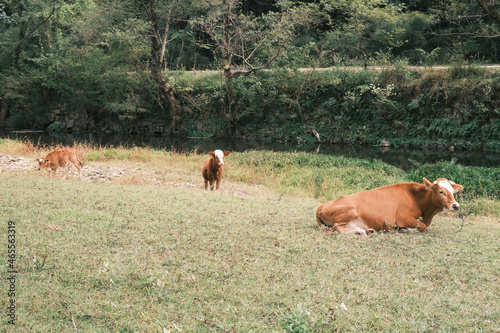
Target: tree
490, 9
358, 24
159, 41
464, 31
24, 19
245, 43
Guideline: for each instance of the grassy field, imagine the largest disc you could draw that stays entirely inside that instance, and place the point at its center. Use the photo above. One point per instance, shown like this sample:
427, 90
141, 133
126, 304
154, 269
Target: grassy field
133, 256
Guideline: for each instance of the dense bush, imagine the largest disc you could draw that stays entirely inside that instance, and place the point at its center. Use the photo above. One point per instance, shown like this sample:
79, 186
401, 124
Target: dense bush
327, 177
455, 107
477, 181
459, 107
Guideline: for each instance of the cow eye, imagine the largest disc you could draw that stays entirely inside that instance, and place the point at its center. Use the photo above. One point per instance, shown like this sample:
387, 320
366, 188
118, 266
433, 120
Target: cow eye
441, 192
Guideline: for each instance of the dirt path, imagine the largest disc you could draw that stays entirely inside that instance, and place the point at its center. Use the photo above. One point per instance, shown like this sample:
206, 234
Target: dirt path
93, 173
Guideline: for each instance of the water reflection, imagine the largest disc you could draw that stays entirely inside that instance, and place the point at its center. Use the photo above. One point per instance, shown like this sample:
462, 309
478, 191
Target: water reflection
404, 158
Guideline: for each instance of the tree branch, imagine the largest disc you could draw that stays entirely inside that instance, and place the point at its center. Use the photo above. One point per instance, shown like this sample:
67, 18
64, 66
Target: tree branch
470, 34
167, 28
490, 9
253, 69
37, 26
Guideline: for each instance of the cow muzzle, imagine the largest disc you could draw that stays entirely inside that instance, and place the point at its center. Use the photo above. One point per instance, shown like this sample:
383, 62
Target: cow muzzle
456, 207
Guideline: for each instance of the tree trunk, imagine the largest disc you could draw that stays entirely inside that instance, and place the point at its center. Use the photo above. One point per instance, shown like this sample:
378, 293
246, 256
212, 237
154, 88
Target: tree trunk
231, 106
4, 107
490, 9
167, 97
157, 63
363, 54
22, 36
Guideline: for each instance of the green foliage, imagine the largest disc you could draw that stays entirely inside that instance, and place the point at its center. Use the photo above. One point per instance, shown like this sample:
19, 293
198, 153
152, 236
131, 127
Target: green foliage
477, 181
90, 61
88, 74
55, 127
454, 107
365, 107
296, 322
319, 175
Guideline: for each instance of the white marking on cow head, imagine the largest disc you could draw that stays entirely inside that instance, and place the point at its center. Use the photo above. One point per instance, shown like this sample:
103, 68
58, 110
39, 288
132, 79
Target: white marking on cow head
220, 156
448, 200
41, 163
446, 184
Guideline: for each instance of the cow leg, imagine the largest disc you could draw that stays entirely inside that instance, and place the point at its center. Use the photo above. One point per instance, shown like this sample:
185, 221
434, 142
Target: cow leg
77, 165
336, 215
404, 223
54, 170
343, 219
353, 230
67, 170
212, 185
79, 169
356, 226
206, 185
217, 184
350, 230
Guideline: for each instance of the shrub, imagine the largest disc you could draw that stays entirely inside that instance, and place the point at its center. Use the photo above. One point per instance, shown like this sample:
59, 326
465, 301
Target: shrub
477, 181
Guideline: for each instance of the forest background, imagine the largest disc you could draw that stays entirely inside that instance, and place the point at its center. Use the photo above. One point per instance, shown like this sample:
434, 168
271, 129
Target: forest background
354, 71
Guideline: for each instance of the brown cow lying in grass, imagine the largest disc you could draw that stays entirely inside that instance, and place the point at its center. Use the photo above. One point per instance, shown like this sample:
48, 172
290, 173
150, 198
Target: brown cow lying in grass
389, 207
60, 158
212, 168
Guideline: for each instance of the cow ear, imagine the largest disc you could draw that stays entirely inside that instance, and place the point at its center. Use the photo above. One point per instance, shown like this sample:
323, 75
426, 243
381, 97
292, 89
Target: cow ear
226, 153
211, 153
457, 187
427, 183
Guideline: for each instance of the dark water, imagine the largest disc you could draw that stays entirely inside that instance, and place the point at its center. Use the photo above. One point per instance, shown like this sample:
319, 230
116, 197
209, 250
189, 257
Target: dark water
403, 158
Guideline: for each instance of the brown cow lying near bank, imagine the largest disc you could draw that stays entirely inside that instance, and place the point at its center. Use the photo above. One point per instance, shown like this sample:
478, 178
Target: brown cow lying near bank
60, 158
212, 168
389, 207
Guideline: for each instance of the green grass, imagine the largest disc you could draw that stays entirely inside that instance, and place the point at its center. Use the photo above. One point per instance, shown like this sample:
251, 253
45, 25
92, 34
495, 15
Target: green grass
128, 258
121, 257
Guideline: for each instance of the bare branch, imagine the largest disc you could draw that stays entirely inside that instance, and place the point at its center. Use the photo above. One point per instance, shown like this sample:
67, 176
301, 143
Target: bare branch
470, 34
165, 34
490, 9
253, 69
37, 26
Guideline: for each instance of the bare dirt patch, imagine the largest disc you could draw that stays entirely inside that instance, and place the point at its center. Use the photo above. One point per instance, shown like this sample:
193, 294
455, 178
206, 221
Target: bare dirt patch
103, 172
94, 173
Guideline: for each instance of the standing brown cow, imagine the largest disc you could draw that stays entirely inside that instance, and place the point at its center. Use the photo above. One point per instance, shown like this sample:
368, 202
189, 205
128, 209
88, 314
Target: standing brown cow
212, 168
60, 158
388, 207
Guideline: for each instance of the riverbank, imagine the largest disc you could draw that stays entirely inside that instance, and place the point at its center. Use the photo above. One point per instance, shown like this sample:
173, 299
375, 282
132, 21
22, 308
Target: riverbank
401, 157
455, 108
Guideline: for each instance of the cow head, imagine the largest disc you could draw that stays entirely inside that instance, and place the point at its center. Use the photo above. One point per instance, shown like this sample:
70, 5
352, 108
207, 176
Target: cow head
442, 193
218, 156
43, 163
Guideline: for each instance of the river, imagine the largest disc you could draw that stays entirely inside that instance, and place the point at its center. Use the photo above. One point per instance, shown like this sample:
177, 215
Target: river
403, 158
